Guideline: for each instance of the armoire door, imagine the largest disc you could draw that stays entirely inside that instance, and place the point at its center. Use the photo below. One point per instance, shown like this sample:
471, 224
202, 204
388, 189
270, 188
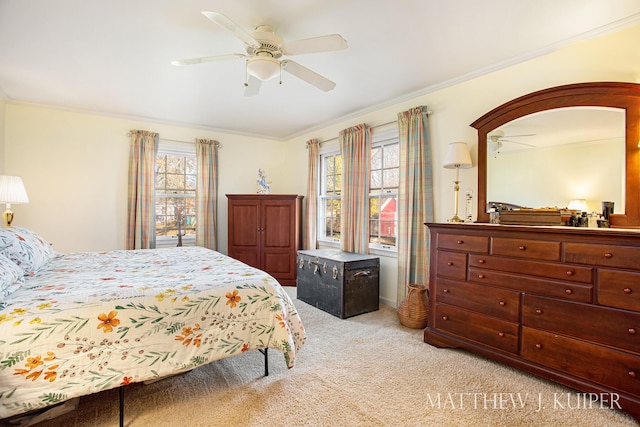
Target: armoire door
278, 238
244, 231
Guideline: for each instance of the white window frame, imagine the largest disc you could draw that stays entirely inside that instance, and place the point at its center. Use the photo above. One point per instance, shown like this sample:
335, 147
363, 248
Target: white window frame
178, 149
387, 137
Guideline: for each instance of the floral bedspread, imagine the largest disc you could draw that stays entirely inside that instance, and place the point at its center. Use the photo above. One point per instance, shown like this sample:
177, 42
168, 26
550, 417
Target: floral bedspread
88, 322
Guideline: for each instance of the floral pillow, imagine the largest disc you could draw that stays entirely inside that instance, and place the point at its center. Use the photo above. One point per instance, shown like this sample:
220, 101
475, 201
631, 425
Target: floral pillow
26, 248
11, 276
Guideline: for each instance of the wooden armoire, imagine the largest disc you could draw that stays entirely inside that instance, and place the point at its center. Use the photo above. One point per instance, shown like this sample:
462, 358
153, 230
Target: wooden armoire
265, 232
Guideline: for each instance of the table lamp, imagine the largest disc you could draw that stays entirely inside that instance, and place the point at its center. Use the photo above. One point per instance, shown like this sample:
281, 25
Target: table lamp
11, 191
457, 157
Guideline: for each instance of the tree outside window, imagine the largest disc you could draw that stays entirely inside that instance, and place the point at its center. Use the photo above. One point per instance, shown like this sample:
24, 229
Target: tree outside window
175, 196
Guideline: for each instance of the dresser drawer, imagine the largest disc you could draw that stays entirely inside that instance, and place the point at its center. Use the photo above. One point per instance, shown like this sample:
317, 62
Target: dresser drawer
486, 330
611, 368
604, 255
602, 325
494, 302
531, 285
574, 273
619, 289
524, 248
460, 242
451, 264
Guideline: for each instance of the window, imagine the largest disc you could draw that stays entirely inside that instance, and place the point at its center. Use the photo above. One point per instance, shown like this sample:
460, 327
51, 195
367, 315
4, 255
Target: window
329, 209
383, 196
175, 197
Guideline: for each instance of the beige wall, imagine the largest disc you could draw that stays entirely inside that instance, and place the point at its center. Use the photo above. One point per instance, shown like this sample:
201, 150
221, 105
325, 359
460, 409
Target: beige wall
2, 121
74, 167
75, 164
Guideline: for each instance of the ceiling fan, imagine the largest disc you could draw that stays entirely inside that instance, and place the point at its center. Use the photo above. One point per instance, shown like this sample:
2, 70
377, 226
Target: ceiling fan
496, 139
264, 48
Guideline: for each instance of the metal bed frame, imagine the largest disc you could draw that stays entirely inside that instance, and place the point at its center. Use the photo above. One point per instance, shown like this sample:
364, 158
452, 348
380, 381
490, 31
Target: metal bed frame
264, 351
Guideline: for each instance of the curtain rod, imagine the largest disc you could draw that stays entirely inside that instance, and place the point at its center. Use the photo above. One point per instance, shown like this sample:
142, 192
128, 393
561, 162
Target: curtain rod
373, 127
177, 140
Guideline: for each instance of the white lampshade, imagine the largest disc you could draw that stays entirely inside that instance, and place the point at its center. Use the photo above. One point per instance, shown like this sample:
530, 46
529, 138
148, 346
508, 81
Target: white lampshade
12, 190
263, 67
457, 156
578, 205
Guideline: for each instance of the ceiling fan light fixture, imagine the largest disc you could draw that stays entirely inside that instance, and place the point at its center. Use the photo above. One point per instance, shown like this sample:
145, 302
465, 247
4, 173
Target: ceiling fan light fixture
263, 67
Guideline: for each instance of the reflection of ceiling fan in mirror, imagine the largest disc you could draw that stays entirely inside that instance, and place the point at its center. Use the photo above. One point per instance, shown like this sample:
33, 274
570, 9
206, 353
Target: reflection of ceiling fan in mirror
265, 48
497, 138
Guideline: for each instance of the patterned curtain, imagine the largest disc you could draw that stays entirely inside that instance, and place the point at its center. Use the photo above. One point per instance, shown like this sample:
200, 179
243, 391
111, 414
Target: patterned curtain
355, 148
141, 224
311, 234
207, 193
415, 199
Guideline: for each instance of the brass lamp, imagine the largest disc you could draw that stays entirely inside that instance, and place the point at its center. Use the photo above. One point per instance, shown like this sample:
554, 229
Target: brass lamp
457, 157
11, 191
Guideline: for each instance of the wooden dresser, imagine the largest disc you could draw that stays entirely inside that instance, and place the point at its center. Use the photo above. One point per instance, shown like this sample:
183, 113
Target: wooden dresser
560, 302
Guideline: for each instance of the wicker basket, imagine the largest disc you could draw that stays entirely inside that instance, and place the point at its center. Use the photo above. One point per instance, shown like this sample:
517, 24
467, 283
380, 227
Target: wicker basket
414, 310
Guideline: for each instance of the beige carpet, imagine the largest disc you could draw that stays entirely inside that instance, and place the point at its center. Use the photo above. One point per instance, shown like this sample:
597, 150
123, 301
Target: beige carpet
363, 371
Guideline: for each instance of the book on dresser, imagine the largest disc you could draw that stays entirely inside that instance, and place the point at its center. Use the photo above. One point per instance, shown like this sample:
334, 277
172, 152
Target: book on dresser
560, 302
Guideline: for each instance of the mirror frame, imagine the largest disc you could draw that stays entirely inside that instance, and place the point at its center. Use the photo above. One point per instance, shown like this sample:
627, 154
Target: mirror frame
625, 96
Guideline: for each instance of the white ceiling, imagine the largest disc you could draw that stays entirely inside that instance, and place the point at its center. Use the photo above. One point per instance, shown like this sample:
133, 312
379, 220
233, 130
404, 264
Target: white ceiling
113, 57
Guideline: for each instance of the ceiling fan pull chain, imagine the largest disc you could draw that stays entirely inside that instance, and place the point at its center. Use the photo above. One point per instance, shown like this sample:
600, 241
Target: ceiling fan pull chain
246, 73
280, 72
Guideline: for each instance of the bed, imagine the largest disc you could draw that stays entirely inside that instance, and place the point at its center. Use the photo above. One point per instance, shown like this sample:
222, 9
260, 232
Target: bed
79, 323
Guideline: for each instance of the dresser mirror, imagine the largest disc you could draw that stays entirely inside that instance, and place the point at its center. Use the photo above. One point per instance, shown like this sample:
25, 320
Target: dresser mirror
511, 171
579, 149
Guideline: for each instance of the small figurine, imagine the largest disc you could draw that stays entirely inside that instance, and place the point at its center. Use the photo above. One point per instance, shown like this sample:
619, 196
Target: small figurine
264, 187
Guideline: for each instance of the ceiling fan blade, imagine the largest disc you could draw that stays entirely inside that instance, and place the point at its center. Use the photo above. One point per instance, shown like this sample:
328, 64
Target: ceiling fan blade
517, 136
232, 27
518, 142
253, 86
315, 44
308, 76
202, 59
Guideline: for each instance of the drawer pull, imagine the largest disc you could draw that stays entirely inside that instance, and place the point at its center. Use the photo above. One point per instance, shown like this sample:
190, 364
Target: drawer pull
315, 269
608, 255
446, 291
570, 273
460, 242
633, 374
501, 334
480, 276
539, 346
538, 311
502, 303
445, 317
632, 331
522, 248
568, 291
481, 261
335, 272
450, 264
627, 290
